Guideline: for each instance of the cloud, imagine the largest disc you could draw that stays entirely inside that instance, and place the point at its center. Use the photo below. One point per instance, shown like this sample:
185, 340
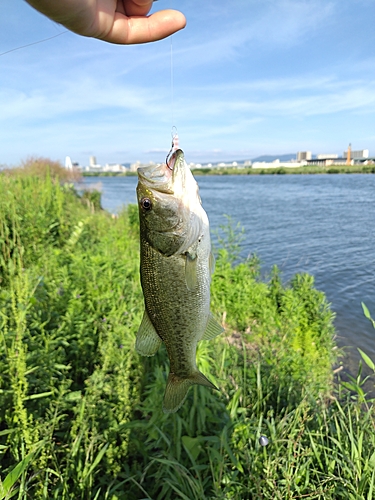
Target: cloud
271, 25
156, 151
286, 22
288, 97
71, 97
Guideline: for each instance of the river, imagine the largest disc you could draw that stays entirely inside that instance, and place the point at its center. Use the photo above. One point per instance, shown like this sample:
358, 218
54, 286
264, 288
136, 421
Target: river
319, 224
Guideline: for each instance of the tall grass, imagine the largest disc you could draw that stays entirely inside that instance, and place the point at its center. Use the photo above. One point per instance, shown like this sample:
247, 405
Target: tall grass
80, 411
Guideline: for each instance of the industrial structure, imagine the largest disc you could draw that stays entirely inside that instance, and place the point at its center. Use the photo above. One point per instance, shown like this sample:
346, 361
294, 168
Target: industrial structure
349, 157
361, 154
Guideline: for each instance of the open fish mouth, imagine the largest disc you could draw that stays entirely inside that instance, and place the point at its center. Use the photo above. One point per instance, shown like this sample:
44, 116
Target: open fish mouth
161, 177
158, 177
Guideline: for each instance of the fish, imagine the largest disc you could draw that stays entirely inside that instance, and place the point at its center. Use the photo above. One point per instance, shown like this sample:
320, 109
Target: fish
176, 265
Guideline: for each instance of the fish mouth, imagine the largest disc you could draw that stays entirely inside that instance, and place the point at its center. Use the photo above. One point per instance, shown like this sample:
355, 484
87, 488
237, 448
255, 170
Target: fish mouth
161, 177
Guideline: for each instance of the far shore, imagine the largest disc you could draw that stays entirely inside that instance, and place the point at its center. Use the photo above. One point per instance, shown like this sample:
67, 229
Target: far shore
336, 169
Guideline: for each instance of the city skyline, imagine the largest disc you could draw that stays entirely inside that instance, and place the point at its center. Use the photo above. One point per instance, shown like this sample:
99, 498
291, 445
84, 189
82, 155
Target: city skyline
248, 79
301, 158
300, 155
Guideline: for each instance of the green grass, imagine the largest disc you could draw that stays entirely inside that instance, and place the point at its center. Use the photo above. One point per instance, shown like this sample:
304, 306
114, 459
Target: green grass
308, 169
80, 411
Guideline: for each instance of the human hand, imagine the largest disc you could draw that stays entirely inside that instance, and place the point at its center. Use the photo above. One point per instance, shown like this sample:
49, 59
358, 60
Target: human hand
114, 21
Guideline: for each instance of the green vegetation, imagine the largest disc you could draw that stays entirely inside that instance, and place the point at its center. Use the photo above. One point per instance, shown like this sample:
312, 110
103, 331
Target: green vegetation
109, 174
309, 169
80, 411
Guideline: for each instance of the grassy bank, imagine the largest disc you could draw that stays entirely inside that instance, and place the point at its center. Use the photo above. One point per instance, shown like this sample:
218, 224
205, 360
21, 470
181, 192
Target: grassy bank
80, 411
311, 169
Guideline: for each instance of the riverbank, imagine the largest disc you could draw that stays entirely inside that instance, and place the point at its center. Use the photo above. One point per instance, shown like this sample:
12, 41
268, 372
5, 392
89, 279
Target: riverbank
80, 411
305, 170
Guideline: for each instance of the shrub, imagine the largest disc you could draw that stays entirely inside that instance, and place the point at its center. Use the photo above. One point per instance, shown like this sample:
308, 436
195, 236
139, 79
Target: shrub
80, 411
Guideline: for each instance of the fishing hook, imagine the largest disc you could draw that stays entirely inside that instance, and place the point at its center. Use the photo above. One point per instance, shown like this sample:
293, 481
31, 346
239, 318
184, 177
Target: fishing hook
174, 146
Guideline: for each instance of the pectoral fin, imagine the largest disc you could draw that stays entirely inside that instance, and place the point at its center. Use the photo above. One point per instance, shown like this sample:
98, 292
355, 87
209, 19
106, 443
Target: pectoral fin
213, 329
212, 263
148, 341
191, 270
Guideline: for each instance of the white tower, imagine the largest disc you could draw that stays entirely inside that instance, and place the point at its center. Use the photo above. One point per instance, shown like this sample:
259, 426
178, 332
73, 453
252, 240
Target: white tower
68, 163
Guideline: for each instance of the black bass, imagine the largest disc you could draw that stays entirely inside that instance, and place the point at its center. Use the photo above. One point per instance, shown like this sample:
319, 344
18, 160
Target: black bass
176, 268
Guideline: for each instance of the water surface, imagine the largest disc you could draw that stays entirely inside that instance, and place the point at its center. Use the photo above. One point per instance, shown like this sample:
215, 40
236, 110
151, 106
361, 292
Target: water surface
319, 224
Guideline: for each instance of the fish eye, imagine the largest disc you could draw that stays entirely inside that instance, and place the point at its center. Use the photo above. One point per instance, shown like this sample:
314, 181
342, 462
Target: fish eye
146, 204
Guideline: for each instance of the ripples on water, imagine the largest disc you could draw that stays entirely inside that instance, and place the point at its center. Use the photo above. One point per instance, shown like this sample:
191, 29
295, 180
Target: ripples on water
319, 224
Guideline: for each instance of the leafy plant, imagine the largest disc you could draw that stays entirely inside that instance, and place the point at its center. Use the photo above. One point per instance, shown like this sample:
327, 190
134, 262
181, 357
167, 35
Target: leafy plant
80, 411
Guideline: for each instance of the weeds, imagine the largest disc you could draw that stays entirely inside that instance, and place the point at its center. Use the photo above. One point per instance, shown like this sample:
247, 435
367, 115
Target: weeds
80, 412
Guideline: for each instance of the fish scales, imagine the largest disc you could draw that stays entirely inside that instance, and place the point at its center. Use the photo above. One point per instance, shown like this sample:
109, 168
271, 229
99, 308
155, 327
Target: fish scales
176, 267
180, 326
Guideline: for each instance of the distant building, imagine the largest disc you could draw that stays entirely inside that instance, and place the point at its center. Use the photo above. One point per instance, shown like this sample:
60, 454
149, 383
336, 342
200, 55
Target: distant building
134, 166
278, 164
304, 155
328, 156
114, 167
361, 153
94, 167
326, 162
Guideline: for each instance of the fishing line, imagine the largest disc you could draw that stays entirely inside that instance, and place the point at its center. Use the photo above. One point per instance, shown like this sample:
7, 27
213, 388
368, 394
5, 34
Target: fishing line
33, 43
175, 143
174, 134
172, 84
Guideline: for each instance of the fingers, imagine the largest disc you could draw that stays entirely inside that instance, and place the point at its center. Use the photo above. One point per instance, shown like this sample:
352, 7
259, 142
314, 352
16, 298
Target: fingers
137, 7
114, 21
131, 30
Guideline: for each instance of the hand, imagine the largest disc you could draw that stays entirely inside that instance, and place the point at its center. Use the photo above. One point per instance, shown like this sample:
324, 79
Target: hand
114, 21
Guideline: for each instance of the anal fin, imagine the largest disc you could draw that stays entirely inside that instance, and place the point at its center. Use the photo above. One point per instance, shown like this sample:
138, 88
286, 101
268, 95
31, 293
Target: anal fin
212, 329
148, 341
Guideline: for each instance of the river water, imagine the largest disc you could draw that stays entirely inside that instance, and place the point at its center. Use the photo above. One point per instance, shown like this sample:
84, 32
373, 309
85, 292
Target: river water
320, 224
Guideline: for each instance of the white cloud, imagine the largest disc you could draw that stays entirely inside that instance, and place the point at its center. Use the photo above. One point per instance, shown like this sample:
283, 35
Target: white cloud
156, 151
288, 97
71, 97
276, 25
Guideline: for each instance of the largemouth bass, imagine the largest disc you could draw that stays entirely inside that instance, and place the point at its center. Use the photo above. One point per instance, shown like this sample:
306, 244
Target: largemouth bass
176, 268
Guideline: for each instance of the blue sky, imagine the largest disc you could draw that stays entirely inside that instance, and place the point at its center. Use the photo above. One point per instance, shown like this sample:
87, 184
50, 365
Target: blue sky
249, 78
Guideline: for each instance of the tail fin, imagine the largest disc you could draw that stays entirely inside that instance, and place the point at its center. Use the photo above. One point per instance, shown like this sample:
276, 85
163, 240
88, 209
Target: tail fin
177, 389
